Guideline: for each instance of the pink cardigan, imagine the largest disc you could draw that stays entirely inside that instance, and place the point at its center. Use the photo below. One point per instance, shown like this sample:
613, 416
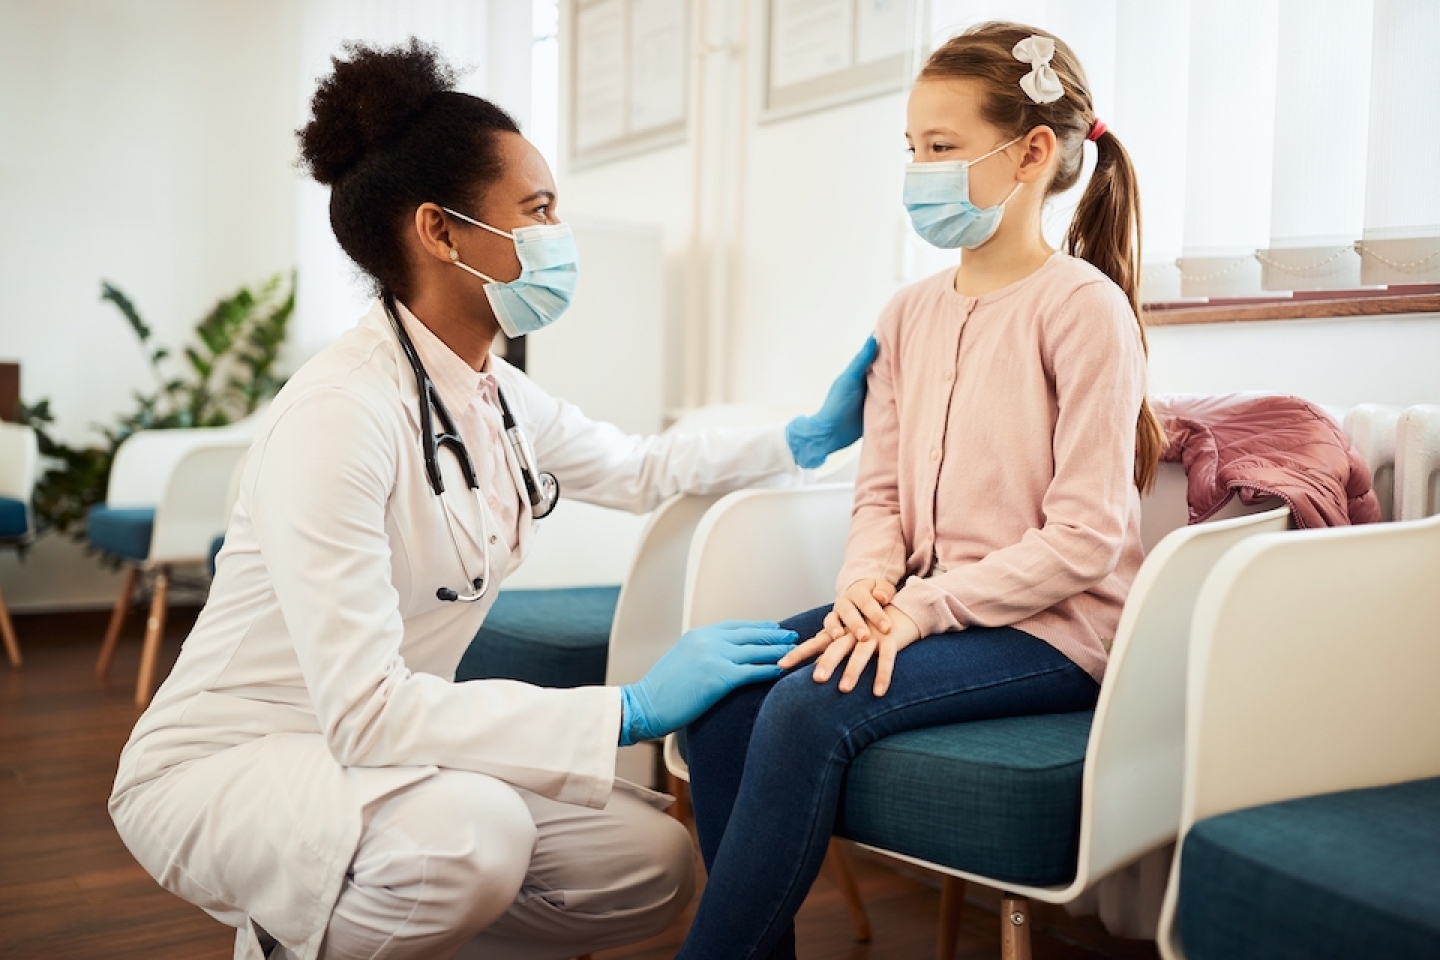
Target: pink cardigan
996, 479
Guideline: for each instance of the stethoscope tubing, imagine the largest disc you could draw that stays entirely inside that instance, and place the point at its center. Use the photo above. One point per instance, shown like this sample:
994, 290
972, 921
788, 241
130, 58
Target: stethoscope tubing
542, 501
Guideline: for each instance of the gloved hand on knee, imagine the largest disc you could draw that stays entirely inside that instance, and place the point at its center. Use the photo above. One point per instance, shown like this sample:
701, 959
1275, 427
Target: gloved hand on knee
703, 666
841, 418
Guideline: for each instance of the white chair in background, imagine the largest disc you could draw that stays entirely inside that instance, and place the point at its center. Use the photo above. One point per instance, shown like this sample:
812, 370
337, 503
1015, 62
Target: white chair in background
1417, 463
19, 469
1312, 671
165, 505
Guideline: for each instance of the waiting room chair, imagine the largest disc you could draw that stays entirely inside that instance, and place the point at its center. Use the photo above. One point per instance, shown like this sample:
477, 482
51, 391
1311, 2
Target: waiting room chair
164, 505
1041, 807
19, 469
1311, 806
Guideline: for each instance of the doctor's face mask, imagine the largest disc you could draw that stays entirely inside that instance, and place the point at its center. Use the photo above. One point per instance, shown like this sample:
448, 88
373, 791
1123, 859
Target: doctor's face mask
549, 267
937, 197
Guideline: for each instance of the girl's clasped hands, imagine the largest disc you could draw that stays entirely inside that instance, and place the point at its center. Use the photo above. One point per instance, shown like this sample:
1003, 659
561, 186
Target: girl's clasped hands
864, 625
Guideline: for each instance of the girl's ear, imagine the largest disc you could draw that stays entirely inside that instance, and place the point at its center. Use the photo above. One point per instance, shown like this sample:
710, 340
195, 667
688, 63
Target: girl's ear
1037, 152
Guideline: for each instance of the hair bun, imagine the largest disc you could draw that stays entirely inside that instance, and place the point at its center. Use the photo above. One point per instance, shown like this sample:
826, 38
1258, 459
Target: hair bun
367, 101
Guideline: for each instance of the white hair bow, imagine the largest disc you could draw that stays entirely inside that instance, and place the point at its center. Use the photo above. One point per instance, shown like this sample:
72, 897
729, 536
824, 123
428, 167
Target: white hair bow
1040, 84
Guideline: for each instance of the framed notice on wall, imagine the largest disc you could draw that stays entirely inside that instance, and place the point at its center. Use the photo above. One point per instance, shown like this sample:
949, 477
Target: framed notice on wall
628, 66
821, 53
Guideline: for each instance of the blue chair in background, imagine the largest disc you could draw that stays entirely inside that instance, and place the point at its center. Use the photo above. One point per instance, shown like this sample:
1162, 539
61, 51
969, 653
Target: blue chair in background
169, 494
555, 637
19, 468
1311, 806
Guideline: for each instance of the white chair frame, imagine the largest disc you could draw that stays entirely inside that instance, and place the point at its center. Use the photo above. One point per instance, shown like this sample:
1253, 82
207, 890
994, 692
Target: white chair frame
1282, 703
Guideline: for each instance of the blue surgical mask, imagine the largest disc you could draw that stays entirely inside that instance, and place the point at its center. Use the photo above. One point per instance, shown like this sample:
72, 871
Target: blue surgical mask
549, 265
937, 196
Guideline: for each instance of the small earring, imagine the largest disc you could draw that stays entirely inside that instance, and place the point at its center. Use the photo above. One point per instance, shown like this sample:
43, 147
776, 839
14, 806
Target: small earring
454, 254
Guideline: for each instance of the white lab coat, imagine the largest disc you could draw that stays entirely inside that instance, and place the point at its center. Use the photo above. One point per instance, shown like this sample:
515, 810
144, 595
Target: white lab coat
323, 619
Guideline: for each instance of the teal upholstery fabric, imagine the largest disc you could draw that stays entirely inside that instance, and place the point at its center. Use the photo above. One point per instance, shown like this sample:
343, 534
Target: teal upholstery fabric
1342, 875
551, 638
999, 798
215, 546
121, 532
13, 522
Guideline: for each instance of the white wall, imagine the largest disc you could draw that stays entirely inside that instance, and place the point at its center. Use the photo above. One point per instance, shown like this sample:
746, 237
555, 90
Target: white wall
149, 144
1393, 360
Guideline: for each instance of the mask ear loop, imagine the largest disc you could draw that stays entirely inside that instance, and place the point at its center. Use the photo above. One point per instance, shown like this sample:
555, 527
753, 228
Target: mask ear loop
455, 254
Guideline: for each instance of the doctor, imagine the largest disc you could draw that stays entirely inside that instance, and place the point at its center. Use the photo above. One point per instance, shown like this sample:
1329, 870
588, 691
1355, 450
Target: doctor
309, 773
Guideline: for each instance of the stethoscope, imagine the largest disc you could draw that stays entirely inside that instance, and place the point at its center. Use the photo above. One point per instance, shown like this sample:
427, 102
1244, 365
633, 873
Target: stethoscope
541, 488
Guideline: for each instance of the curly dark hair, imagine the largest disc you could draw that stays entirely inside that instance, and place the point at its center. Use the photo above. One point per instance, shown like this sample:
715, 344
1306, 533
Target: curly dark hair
389, 132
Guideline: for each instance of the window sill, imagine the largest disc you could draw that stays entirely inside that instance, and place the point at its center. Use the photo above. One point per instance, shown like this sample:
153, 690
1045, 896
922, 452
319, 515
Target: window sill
1302, 306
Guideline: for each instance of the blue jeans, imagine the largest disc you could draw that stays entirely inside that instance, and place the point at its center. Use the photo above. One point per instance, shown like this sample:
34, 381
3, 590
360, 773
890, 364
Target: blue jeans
768, 762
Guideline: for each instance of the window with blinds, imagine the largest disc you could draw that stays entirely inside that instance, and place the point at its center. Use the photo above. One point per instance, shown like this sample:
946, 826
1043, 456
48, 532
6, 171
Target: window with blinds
1282, 145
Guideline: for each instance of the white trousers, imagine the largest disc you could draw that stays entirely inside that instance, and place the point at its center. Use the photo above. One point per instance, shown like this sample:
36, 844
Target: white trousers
446, 860
530, 879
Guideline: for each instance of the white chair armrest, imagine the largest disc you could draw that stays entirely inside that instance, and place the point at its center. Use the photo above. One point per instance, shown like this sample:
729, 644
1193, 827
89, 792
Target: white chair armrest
192, 511
19, 461
1417, 463
1136, 758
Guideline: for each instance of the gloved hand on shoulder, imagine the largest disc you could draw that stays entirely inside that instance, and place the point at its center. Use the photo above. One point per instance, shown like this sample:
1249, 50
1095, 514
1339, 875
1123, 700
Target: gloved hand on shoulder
703, 666
841, 418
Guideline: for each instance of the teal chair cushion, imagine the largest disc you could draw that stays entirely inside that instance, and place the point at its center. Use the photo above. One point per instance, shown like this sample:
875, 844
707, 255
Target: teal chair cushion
1000, 798
552, 638
215, 547
123, 532
13, 521
1341, 875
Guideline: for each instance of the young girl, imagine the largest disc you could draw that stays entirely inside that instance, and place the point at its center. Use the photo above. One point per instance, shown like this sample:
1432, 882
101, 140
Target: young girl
996, 522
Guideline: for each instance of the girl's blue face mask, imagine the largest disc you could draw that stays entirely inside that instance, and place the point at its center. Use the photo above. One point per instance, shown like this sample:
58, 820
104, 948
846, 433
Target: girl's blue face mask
549, 267
937, 196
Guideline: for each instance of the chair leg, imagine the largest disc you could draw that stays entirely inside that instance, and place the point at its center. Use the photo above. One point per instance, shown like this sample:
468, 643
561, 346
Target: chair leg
952, 904
117, 622
842, 874
1014, 928
12, 644
154, 628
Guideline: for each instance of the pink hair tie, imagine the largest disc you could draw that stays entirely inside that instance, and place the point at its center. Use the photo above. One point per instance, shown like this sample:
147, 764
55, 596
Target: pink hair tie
1097, 130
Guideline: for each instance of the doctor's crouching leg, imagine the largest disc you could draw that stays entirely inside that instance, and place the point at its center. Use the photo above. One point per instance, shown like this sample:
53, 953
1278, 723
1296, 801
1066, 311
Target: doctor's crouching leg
597, 879
438, 861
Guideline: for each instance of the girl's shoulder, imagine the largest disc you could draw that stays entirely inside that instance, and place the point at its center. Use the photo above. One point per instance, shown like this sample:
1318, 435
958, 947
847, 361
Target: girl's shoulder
1077, 291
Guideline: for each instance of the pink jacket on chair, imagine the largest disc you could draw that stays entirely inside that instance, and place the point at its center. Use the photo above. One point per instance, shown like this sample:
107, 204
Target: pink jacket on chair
1256, 446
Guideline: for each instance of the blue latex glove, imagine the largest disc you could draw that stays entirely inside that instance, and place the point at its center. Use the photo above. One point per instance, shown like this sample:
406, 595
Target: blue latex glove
703, 666
841, 419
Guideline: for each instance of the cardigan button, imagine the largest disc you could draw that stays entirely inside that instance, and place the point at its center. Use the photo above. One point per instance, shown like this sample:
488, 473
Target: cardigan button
935, 455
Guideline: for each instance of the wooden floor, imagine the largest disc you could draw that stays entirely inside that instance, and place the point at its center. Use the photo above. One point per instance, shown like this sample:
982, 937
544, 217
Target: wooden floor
69, 890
